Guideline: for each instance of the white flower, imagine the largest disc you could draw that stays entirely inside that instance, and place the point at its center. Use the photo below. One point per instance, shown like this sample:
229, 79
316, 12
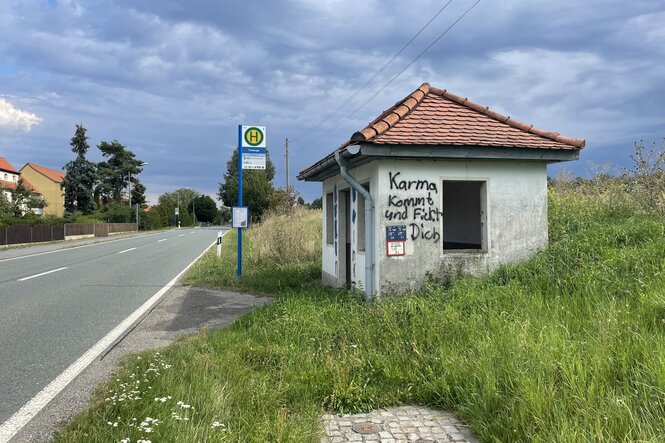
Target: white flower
216, 424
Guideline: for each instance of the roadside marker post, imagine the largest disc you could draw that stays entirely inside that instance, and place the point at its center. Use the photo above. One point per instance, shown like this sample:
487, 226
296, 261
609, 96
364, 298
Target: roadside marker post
219, 244
251, 155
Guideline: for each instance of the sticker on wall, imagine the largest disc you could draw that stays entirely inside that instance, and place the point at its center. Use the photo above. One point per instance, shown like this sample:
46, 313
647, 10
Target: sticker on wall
396, 232
395, 248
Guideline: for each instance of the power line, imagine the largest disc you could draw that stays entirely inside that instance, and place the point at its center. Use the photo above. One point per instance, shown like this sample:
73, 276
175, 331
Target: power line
420, 54
355, 93
415, 59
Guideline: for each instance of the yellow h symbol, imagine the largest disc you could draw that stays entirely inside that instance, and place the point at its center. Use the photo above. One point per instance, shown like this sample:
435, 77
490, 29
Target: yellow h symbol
254, 136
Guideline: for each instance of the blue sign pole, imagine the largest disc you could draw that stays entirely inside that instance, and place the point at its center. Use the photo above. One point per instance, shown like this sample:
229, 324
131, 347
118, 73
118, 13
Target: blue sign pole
239, 198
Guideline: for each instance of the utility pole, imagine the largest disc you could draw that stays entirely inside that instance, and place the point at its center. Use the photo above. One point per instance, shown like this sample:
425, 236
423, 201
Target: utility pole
129, 187
287, 164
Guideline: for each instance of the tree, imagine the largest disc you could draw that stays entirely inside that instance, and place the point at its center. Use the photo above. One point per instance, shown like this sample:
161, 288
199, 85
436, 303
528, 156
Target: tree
204, 207
257, 186
283, 200
114, 173
23, 200
80, 176
5, 205
317, 203
167, 202
138, 193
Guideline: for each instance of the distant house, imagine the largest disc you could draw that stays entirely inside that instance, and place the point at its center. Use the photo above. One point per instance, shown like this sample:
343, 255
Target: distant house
435, 186
9, 178
47, 181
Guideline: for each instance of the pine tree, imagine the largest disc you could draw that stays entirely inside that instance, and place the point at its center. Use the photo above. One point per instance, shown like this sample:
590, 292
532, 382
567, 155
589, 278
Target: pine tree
80, 176
138, 192
114, 173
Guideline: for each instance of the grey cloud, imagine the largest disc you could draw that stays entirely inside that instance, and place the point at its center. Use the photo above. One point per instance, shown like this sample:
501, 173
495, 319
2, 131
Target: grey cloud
171, 79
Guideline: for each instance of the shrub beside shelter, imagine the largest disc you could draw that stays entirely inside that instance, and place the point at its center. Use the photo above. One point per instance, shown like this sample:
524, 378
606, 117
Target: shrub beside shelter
454, 188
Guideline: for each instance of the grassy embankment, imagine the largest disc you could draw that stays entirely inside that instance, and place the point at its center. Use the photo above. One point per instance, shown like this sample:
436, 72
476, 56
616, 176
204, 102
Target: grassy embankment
569, 346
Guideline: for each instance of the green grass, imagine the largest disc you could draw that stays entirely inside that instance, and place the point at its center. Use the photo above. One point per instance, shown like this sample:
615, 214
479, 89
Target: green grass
569, 346
263, 277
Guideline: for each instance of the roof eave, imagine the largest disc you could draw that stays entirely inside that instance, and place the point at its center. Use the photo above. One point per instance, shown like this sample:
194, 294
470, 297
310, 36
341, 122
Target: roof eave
327, 167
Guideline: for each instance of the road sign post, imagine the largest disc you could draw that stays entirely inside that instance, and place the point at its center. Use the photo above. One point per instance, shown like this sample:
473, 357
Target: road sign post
251, 155
240, 198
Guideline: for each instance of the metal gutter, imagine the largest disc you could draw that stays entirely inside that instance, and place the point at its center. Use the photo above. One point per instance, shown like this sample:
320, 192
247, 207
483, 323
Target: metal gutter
369, 219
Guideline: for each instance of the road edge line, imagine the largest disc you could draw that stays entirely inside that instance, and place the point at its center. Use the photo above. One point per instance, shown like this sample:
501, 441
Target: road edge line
22, 417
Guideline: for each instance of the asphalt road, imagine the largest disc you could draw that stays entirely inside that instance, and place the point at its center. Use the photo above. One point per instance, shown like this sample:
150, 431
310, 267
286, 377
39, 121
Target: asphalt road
55, 306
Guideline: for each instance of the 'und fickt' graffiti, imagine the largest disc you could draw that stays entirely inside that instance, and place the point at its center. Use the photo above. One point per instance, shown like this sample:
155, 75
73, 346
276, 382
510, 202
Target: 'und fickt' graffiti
415, 201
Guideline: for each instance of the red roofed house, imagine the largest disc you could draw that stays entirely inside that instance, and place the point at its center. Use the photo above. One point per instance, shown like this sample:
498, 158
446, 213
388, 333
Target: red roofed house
435, 186
9, 178
47, 181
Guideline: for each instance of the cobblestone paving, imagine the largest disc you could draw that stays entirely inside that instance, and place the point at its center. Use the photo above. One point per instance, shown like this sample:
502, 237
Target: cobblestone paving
396, 425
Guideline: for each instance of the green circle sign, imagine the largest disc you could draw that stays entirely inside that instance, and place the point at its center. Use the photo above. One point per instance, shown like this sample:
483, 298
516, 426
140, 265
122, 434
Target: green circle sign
253, 136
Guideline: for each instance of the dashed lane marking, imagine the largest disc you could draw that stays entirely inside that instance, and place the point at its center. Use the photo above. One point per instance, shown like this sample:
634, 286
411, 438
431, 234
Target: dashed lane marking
42, 273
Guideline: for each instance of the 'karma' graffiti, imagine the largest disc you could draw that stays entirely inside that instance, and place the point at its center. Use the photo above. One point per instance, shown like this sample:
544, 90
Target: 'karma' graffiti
415, 201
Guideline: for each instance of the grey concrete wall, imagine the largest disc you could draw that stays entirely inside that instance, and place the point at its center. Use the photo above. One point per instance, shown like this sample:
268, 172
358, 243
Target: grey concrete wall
514, 220
410, 193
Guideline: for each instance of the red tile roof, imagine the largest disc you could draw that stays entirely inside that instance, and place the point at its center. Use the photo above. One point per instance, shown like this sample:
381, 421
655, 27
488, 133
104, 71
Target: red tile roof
432, 116
52, 174
12, 185
6, 166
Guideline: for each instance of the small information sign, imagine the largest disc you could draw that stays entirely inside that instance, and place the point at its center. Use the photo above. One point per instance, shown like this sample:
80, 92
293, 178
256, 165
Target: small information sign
395, 248
240, 217
396, 232
250, 161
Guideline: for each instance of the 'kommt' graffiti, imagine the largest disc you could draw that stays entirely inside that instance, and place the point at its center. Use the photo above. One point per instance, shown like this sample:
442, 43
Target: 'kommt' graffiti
418, 208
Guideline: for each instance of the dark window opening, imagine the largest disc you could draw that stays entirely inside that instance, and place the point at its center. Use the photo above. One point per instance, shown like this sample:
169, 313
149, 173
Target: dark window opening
463, 215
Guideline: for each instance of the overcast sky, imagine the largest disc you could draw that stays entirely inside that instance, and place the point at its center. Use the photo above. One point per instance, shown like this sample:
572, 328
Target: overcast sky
172, 79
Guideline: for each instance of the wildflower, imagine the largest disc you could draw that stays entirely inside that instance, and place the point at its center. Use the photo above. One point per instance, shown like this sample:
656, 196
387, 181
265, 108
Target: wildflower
216, 424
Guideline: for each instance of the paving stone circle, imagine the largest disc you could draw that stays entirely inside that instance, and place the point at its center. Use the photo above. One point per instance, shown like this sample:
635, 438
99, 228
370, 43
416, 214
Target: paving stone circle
365, 428
403, 424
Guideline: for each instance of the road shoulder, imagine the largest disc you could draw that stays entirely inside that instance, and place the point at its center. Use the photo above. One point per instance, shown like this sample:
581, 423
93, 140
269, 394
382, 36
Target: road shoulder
182, 311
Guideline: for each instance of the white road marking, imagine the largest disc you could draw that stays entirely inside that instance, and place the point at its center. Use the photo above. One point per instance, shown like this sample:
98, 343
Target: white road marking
126, 250
103, 242
43, 273
164, 239
21, 418
181, 235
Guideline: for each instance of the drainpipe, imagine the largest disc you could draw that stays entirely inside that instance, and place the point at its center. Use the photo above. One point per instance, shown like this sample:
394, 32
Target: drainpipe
369, 219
